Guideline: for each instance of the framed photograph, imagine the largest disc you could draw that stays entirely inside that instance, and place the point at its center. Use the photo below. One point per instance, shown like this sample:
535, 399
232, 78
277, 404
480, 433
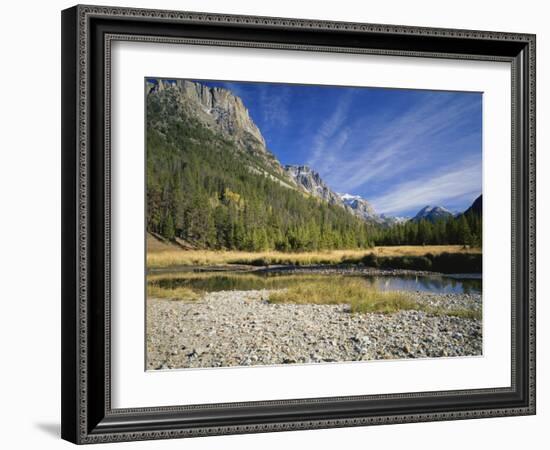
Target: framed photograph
280, 224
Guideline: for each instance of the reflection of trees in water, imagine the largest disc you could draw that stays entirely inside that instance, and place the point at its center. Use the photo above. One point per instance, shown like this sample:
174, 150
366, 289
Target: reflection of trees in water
433, 284
233, 281
472, 286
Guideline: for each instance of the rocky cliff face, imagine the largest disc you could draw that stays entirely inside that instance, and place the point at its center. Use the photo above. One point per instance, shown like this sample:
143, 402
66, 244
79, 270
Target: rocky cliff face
216, 108
360, 206
311, 182
223, 112
224, 108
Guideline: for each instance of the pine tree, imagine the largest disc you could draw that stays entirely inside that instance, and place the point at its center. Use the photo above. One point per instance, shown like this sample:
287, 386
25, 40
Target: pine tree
168, 229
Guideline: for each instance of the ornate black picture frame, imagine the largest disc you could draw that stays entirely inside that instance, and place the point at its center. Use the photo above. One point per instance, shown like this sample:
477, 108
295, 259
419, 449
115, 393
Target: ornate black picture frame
87, 35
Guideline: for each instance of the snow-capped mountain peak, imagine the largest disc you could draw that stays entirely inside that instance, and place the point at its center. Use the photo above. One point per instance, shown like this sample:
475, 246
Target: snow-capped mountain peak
349, 197
393, 220
433, 213
311, 182
359, 205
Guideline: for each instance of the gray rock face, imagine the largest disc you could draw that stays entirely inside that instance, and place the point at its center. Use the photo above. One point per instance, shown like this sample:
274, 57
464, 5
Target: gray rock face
312, 183
363, 209
223, 112
217, 109
360, 206
227, 110
393, 220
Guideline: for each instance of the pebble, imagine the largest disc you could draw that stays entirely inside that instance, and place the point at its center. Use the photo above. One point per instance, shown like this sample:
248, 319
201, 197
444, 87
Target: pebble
233, 328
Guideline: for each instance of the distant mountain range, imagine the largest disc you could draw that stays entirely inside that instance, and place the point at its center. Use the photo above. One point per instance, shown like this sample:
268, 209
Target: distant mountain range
311, 182
433, 214
208, 161
437, 213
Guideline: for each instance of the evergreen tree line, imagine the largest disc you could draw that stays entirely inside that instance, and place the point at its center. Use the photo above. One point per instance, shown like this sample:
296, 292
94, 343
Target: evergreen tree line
200, 188
464, 229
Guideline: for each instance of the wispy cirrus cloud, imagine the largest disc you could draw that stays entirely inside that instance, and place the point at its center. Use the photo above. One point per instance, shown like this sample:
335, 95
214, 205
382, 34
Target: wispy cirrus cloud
400, 149
275, 106
386, 148
458, 181
332, 134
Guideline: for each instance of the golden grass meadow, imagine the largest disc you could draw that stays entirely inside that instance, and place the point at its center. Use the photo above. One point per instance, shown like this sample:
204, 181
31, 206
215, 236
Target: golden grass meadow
177, 257
303, 289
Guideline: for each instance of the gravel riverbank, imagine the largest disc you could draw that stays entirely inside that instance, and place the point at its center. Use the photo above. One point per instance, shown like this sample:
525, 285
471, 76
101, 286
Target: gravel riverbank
321, 269
340, 269
240, 328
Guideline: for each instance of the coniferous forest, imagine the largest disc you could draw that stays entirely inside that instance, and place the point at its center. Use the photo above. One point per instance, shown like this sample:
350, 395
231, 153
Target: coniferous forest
464, 229
201, 189
256, 257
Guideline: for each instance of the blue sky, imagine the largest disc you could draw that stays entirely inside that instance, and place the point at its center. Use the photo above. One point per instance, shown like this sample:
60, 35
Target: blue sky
400, 149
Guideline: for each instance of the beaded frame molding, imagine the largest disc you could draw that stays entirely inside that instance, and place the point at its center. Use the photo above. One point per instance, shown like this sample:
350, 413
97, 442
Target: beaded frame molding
87, 35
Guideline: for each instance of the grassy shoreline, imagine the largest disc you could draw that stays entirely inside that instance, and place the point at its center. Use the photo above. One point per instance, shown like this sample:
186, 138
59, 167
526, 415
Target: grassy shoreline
315, 289
305, 289
347, 291
385, 257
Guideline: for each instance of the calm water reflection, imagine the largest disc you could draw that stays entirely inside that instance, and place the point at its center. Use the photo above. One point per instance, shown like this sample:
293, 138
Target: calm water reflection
436, 284
227, 281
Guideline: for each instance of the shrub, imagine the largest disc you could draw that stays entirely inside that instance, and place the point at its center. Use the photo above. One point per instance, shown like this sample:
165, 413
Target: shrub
260, 262
458, 263
370, 260
180, 293
423, 263
406, 262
